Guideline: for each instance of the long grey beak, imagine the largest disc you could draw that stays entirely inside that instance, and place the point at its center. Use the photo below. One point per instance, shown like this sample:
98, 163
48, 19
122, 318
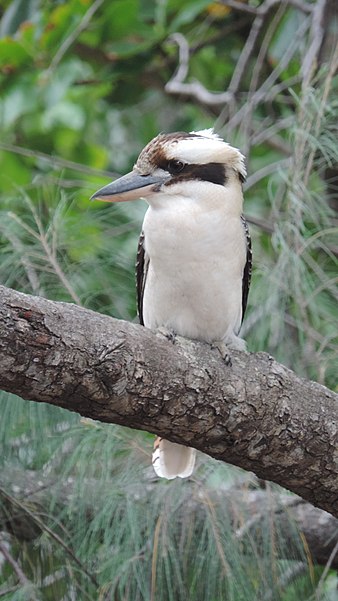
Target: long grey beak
130, 187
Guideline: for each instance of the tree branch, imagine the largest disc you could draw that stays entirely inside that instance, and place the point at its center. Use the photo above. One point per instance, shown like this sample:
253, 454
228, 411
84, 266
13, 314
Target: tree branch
257, 414
176, 84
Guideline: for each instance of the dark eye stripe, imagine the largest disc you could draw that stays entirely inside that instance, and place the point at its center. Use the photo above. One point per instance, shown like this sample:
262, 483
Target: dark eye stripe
209, 172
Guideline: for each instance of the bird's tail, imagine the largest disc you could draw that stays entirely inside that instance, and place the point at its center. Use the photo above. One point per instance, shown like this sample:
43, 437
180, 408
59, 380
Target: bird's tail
171, 460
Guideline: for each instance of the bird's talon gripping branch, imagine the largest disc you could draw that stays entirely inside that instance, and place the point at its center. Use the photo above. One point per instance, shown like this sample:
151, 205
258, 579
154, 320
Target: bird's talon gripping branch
166, 333
193, 262
223, 350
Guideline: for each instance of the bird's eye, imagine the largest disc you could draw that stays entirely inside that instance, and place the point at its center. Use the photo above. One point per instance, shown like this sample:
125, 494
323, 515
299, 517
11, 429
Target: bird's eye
175, 167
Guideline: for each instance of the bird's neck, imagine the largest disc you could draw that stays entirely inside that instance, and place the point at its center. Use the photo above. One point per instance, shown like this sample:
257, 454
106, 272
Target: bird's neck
198, 199
187, 227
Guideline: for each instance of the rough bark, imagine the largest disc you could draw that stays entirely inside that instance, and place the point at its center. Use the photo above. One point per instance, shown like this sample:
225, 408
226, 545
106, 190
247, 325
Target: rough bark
256, 414
302, 529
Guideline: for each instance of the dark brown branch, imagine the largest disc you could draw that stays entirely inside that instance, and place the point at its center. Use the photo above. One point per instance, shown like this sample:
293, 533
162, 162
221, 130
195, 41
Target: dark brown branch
257, 414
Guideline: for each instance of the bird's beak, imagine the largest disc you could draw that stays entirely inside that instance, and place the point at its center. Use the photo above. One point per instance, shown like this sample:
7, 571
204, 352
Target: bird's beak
130, 187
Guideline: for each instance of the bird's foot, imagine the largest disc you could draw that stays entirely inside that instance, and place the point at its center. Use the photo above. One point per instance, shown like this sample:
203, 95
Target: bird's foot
166, 333
223, 350
234, 343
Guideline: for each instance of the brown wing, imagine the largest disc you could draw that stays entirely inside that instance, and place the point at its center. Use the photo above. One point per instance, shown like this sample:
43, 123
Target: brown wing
141, 269
248, 266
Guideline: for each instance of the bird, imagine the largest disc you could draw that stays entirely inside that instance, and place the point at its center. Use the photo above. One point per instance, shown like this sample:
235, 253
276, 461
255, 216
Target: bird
194, 256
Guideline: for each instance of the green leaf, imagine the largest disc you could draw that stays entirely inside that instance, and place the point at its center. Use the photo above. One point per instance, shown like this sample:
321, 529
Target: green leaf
13, 173
188, 13
12, 55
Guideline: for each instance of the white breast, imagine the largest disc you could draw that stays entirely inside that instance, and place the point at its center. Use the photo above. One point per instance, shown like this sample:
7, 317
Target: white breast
197, 255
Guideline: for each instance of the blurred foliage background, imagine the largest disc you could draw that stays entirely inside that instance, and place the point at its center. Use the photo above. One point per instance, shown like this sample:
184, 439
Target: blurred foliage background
84, 86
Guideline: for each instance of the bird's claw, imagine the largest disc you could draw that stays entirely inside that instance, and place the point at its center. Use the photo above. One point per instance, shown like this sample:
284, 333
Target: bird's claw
166, 333
223, 350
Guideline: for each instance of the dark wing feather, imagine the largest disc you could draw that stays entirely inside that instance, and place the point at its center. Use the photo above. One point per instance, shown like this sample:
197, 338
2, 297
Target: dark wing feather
142, 264
248, 266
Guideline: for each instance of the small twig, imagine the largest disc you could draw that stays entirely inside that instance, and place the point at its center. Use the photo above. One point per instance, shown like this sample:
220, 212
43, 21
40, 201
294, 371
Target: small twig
258, 66
24, 225
255, 30
67, 43
265, 92
263, 225
6, 591
317, 32
266, 170
246, 8
59, 182
51, 256
248, 49
29, 268
297, 568
55, 160
321, 274
17, 569
266, 133
280, 144
221, 34
264, 46
327, 568
327, 88
154, 558
281, 87
227, 571
303, 6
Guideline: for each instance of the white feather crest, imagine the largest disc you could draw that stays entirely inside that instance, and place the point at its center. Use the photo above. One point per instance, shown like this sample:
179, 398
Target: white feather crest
207, 147
207, 133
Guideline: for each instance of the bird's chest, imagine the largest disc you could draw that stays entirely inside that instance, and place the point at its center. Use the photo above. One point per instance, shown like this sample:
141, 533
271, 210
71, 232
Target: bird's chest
195, 272
181, 241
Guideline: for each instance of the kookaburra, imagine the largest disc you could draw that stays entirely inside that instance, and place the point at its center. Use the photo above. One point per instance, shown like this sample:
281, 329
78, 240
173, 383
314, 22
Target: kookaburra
194, 255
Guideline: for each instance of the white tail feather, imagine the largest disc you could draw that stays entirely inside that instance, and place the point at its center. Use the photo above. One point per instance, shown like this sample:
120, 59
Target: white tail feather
171, 460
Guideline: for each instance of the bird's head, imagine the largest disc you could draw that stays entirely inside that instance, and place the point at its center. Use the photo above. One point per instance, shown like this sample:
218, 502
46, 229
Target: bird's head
170, 163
